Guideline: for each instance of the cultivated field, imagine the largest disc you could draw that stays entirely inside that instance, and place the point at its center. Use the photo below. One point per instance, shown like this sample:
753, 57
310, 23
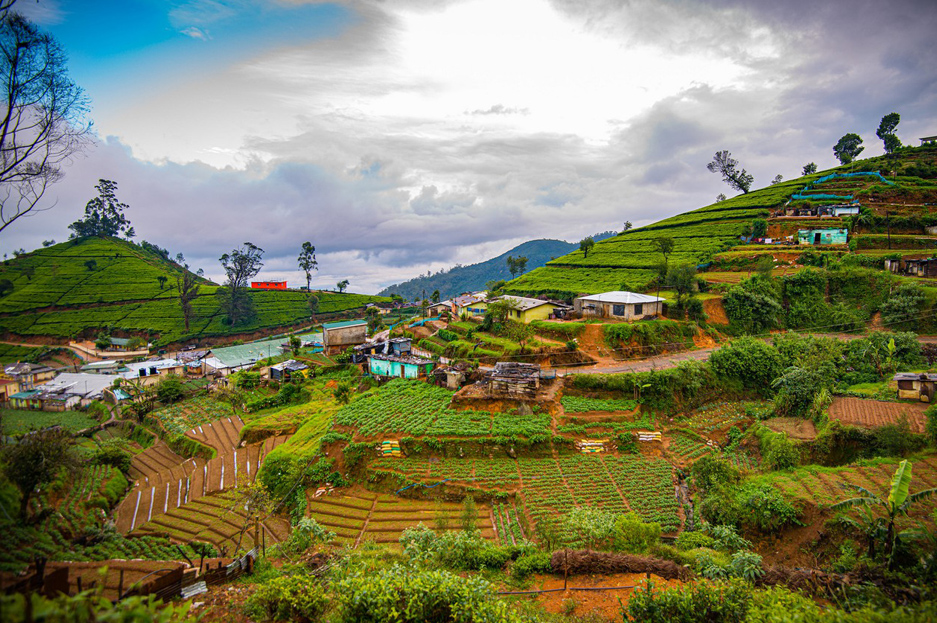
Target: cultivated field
357, 516
163, 480
875, 413
552, 486
217, 518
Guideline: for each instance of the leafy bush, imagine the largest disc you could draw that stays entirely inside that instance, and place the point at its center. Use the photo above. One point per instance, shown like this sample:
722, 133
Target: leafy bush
701, 602
693, 540
527, 564
727, 537
288, 598
630, 534
903, 308
746, 565
749, 360
766, 508
90, 606
404, 595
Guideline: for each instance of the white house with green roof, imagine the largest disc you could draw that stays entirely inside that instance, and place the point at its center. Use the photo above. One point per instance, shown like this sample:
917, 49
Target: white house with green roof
229, 359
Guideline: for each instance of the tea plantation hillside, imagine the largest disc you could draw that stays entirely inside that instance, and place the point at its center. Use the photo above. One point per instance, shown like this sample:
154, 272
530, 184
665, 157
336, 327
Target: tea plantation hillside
629, 260
80, 287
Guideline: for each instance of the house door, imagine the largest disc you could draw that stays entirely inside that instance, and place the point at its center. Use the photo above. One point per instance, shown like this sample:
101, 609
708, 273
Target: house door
816, 239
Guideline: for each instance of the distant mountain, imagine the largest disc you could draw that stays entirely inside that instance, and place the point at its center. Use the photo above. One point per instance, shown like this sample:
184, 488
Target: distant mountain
459, 279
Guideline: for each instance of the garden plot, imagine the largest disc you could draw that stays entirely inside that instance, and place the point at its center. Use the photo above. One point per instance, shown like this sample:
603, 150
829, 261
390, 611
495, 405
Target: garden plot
875, 413
361, 516
550, 487
182, 417
414, 408
217, 518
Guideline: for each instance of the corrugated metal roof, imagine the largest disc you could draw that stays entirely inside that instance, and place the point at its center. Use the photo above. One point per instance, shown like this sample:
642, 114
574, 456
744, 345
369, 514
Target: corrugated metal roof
621, 297
236, 356
523, 303
343, 323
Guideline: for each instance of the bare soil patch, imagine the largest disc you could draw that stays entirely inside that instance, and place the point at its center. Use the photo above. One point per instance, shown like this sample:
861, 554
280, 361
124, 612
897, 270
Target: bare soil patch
794, 427
602, 604
716, 312
875, 413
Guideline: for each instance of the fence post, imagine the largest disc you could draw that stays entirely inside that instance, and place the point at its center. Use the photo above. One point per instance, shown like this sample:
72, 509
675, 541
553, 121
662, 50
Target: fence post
120, 585
565, 567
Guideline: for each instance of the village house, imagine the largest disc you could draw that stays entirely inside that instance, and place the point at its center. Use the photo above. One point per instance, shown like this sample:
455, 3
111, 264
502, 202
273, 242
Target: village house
403, 367
106, 366
268, 285
27, 375
155, 368
398, 346
337, 336
915, 267
69, 390
470, 303
618, 304
513, 378
822, 236
916, 386
527, 310
286, 370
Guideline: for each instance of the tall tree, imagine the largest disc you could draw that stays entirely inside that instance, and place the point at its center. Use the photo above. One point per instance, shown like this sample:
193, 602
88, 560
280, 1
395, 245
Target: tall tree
239, 266
341, 285
434, 296
313, 302
724, 164
36, 460
517, 264
810, 168
188, 291
628, 226
886, 132
104, 215
777, 179
586, 245
848, 148
43, 121
307, 261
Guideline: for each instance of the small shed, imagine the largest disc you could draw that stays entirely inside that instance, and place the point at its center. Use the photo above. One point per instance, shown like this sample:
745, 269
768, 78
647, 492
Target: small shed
514, 378
916, 386
337, 336
822, 236
404, 367
921, 267
284, 371
619, 304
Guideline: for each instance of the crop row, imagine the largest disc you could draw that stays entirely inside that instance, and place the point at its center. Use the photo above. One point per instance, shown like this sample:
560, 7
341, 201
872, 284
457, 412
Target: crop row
578, 404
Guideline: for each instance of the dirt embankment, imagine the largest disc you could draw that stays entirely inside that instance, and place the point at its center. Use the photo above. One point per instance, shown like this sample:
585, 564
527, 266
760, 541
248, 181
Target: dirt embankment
716, 312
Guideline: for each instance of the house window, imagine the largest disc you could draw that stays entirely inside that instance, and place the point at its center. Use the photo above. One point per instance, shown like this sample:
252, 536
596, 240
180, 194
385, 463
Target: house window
638, 309
618, 310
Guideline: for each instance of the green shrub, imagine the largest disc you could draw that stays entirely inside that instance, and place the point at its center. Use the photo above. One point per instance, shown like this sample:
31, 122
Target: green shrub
753, 362
288, 598
746, 565
630, 534
90, 606
700, 602
766, 508
694, 539
403, 595
528, 564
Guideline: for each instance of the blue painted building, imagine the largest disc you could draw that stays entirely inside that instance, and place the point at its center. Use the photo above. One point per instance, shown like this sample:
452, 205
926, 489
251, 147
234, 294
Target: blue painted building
399, 367
822, 236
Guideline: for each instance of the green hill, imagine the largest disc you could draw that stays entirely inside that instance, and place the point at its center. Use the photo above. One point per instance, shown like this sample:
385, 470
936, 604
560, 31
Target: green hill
472, 278
80, 287
628, 260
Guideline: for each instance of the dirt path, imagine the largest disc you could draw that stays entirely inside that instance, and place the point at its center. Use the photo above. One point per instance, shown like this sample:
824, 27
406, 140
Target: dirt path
367, 520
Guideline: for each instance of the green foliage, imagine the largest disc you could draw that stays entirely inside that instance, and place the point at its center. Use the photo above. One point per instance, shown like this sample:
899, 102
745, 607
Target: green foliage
903, 309
701, 602
650, 333
538, 562
751, 361
848, 148
711, 472
687, 540
288, 598
404, 595
578, 404
169, 389
930, 426
766, 508
558, 330
590, 527
91, 606
631, 534
104, 215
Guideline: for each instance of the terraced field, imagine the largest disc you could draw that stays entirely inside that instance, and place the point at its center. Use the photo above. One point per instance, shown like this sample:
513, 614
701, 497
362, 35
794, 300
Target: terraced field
823, 486
552, 486
111, 284
217, 518
163, 480
631, 258
360, 516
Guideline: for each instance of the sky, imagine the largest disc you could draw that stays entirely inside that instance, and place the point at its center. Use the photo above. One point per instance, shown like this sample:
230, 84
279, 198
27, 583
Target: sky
406, 136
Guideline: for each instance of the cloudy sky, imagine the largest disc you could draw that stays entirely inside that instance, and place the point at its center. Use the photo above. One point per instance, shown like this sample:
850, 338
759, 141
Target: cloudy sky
401, 136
